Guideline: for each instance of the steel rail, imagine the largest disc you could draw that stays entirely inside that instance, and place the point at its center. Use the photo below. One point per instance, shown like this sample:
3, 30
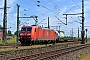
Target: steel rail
52, 54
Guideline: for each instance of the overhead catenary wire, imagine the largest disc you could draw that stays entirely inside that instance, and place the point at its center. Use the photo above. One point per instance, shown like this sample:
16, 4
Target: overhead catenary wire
57, 10
70, 9
55, 5
75, 20
79, 6
35, 2
51, 11
44, 7
41, 21
76, 4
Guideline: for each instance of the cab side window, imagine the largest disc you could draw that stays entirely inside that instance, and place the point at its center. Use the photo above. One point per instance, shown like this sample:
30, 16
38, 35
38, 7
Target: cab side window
35, 29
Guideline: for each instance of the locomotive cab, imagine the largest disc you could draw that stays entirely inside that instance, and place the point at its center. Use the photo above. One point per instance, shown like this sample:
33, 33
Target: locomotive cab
25, 35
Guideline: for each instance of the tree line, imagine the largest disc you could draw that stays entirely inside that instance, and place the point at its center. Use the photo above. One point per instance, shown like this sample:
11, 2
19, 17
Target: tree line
9, 33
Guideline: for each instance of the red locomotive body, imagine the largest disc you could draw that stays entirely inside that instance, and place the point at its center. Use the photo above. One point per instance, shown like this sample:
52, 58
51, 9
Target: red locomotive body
34, 34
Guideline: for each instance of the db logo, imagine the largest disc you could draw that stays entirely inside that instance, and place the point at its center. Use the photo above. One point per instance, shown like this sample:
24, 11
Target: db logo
47, 34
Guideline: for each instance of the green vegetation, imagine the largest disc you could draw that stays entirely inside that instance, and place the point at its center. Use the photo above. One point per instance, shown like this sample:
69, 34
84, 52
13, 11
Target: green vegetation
88, 40
1, 42
15, 33
10, 33
66, 38
9, 40
78, 39
82, 54
12, 41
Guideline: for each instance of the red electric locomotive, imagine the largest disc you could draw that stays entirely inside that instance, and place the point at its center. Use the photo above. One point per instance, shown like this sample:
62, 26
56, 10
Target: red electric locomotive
34, 34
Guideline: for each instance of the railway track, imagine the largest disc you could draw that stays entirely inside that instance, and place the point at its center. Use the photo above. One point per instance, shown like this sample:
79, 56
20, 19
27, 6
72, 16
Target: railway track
50, 55
15, 45
10, 54
7, 45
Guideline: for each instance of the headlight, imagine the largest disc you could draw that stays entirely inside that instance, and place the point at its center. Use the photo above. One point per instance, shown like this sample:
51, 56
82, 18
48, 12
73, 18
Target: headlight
28, 34
21, 34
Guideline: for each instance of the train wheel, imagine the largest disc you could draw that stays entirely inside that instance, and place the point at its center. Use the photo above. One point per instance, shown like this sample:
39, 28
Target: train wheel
32, 42
27, 43
54, 42
22, 44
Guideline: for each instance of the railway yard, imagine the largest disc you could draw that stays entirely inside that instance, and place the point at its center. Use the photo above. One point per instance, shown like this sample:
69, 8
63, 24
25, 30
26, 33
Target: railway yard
23, 38
59, 51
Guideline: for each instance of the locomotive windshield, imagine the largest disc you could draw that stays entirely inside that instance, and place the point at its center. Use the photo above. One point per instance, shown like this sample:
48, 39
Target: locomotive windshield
26, 29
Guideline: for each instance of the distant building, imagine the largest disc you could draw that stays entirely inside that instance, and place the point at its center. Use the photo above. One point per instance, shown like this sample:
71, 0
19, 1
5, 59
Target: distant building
7, 37
1, 33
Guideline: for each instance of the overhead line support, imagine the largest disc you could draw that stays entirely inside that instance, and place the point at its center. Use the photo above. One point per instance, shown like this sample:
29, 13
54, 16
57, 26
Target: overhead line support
5, 22
18, 22
82, 32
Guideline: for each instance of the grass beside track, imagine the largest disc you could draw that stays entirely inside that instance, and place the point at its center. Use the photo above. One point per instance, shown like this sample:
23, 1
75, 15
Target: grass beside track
86, 56
88, 41
21, 47
12, 41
